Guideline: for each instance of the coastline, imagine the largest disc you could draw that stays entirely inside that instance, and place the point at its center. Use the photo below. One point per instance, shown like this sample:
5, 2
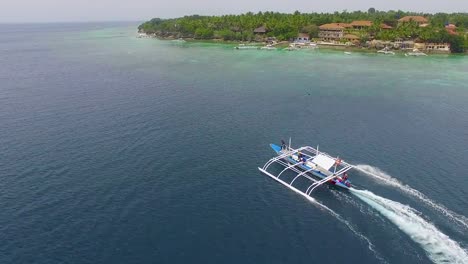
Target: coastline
284, 44
416, 34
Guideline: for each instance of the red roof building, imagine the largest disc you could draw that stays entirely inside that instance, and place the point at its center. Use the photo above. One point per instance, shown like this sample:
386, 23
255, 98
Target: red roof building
418, 19
361, 24
451, 29
385, 26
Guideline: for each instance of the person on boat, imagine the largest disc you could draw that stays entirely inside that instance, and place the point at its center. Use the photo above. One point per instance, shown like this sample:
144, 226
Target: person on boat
345, 176
283, 144
299, 156
337, 162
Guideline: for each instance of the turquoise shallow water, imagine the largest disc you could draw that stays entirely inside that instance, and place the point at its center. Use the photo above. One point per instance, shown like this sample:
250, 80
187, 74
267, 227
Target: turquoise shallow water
123, 150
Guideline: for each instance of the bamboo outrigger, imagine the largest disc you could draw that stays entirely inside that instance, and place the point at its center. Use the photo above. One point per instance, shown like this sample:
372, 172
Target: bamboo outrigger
308, 162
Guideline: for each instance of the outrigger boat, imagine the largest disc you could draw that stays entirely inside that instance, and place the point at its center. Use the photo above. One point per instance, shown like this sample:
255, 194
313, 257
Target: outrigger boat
292, 47
386, 51
268, 47
245, 47
308, 162
415, 52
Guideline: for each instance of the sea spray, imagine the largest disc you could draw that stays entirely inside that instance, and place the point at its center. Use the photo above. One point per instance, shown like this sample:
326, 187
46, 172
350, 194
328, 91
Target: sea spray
439, 247
389, 180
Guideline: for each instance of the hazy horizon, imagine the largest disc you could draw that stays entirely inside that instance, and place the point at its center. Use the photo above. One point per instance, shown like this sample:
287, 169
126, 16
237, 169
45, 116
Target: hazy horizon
27, 11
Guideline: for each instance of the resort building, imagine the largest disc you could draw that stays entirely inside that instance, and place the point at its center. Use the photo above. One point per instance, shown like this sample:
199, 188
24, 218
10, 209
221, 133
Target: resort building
403, 44
260, 30
260, 33
361, 24
302, 38
420, 20
441, 47
351, 38
331, 32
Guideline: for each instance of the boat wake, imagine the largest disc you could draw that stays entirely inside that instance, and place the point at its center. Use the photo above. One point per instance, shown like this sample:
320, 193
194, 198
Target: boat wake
336, 215
342, 220
389, 180
439, 247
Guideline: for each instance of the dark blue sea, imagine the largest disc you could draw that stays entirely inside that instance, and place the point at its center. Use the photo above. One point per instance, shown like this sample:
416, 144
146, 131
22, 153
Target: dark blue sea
118, 149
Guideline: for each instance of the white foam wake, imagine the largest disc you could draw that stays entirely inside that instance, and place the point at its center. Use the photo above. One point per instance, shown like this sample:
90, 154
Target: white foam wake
439, 247
389, 180
357, 233
333, 213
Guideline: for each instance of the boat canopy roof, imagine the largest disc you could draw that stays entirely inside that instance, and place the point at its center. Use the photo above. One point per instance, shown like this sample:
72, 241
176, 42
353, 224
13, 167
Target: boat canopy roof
324, 161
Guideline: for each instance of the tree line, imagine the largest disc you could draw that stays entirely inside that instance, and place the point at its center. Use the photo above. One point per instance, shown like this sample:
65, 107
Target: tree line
287, 26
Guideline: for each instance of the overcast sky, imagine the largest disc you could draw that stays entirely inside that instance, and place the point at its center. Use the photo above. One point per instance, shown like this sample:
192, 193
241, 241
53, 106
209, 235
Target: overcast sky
138, 10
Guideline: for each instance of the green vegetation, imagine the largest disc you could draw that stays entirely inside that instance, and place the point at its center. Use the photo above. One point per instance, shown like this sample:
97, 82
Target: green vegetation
287, 26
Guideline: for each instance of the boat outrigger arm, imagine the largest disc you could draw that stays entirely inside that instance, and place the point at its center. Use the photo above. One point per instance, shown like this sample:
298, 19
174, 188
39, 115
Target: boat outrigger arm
317, 167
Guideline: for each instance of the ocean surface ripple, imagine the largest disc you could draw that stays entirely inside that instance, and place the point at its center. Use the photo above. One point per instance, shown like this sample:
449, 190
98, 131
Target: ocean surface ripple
115, 149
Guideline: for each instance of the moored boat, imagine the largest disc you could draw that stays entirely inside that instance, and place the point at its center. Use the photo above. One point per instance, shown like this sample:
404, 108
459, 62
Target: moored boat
416, 52
268, 47
386, 51
312, 45
292, 47
142, 35
179, 40
245, 47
